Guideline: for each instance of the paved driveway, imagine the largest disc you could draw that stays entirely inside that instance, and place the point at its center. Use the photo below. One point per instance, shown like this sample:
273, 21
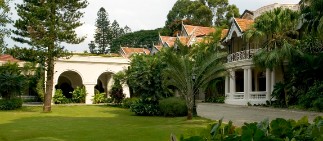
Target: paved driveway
241, 114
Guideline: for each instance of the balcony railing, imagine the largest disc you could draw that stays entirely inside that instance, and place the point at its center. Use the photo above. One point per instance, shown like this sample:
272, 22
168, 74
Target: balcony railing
241, 55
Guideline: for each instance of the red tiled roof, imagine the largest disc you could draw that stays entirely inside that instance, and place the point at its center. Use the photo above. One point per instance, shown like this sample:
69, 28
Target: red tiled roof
244, 24
198, 30
169, 40
8, 58
127, 51
224, 33
158, 47
183, 40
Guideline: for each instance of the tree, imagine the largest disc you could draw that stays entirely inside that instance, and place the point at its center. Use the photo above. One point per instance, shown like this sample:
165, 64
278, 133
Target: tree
313, 16
116, 30
142, 38
278, 28
191, 71
45, 24
103, 34
200, 13
92, 48
4, 19
12, 82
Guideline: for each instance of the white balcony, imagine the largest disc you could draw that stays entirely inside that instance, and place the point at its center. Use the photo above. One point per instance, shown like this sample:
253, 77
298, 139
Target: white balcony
241, 55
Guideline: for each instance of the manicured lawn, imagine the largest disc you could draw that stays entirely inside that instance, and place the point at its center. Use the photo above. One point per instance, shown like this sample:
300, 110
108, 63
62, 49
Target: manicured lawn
95, 123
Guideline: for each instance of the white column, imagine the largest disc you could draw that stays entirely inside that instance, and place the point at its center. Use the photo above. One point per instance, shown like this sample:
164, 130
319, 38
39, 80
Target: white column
126, 90
226, 91
268, 84
90, 93
249, 82
109, 85
245, 83
273, 81
232, 83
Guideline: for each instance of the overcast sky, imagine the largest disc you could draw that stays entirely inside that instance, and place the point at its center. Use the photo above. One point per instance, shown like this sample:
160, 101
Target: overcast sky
141, 14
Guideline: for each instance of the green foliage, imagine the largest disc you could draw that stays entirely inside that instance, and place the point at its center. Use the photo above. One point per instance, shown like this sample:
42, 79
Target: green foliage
313, 97
145, 107
4, 20
127, 102
201, 13
99, 97
116, 92
217, 99
79, 95
142, 38
59, 98
12, 82
145, 78
173, 107
276, 130
40, 88
10, 104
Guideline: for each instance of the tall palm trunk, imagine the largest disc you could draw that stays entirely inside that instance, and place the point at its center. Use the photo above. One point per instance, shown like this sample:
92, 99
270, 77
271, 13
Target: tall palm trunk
284, 81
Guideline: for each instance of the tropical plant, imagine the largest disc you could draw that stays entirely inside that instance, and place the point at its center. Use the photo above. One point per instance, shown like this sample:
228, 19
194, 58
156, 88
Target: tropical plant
59, 98
45, 25
278, 129
191, 72
99, 97
79, 95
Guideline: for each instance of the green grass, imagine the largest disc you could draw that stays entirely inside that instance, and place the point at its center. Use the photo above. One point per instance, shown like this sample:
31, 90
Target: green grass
95, 123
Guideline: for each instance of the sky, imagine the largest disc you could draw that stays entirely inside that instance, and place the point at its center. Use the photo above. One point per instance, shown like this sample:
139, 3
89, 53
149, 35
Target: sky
138, 15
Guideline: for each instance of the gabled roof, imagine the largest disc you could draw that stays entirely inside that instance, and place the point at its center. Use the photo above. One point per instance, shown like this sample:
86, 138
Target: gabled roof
198, 30
8, 58
127, 51
238, 26
244, 24
170, 41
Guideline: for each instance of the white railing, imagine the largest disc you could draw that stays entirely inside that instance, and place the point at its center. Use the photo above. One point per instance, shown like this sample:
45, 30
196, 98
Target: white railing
238, 95
241, 55
257, 95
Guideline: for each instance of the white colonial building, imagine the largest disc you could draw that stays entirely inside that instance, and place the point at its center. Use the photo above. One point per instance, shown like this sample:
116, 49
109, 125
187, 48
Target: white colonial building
247, 84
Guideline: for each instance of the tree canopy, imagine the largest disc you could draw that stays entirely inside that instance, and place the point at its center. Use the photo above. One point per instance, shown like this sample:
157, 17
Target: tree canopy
201, 12
4, 19
142, 38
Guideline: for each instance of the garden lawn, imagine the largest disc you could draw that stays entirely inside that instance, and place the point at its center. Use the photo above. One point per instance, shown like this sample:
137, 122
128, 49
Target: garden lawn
95, 123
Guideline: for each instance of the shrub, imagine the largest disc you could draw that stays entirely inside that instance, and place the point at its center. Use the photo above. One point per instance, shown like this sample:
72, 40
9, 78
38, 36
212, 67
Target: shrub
313, 96
99, 97
218, 99
318, 104
173, 107
78, 95
59, 98
10, 104
127, 102
145, 107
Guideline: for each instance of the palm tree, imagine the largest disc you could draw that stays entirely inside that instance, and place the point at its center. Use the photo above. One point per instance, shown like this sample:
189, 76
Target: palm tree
276, 31
191, 72
312, 13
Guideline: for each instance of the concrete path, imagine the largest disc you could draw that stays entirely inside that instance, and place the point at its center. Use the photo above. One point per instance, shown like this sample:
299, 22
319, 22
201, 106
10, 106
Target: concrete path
240, 114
